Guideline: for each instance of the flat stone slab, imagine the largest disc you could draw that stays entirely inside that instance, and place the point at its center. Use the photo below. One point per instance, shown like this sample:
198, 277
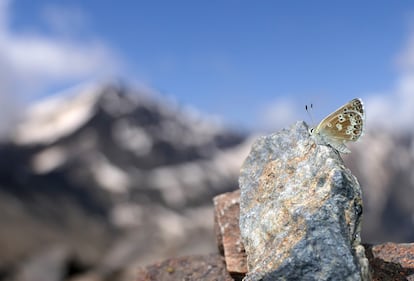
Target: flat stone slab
226, 213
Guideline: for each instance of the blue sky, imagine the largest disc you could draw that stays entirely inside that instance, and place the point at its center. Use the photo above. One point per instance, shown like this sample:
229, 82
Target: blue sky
255, 64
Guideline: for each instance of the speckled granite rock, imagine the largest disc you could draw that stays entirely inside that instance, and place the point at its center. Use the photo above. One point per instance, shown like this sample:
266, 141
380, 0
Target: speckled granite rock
300, 211
388, 262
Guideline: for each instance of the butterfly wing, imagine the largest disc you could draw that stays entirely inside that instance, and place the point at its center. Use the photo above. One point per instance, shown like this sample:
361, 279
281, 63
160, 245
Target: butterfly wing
343, 125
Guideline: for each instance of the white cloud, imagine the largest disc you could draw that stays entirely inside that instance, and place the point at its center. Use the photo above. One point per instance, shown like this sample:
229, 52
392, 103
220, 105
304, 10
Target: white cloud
395, 110
43, 58
30, 63
278, 114
392, 111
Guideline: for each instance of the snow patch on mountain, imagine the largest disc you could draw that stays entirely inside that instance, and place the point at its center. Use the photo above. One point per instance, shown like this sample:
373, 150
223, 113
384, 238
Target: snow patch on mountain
58, 116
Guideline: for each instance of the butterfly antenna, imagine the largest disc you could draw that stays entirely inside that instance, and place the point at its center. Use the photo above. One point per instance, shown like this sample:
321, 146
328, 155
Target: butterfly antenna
308, 110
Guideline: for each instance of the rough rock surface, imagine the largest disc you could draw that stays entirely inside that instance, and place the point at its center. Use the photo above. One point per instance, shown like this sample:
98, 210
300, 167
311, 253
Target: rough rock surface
391, 262
397, 253
388, 262
226, 214
204, 268
300, 211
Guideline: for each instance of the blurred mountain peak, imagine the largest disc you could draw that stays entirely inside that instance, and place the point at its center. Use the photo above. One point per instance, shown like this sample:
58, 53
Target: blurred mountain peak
53, 117
107, 158
60, 115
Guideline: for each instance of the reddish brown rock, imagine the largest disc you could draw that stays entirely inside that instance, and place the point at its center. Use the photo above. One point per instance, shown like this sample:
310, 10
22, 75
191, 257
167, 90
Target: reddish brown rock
391, 261
227, 229
206, 268
397, 253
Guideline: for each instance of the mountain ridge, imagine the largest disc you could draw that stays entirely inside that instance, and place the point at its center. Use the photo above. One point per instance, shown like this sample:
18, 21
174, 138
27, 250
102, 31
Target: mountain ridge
124, 166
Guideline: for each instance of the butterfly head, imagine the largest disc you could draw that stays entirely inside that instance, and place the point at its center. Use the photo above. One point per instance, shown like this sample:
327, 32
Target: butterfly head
311, 131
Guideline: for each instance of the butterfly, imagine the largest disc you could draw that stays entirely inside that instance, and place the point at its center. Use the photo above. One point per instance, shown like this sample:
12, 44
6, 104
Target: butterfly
345, 124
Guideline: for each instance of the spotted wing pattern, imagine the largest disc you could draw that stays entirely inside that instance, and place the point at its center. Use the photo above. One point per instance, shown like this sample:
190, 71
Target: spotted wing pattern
343, 125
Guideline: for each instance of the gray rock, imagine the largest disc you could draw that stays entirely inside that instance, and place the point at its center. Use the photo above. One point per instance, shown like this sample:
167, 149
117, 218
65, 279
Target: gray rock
49, 265
300, 211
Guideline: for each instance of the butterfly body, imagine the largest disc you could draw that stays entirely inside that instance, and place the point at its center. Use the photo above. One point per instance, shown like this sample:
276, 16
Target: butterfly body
343, 125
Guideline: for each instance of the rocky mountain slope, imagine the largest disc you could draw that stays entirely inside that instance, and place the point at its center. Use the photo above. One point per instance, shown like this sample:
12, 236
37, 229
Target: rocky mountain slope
383, 162
114, 177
